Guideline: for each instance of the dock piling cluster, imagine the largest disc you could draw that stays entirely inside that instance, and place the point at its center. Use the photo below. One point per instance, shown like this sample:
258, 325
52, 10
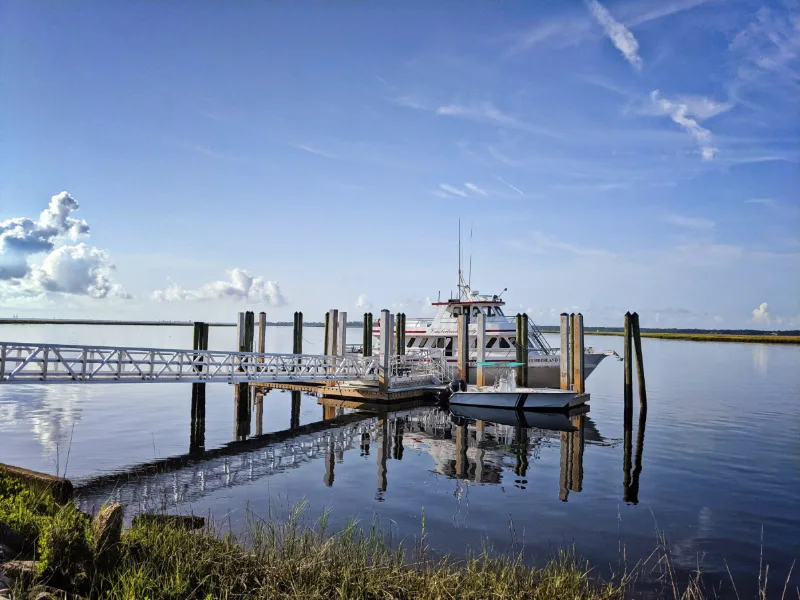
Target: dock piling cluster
571, 359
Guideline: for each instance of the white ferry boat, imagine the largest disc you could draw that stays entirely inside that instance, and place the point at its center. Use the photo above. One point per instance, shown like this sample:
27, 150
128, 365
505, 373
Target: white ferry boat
441, 331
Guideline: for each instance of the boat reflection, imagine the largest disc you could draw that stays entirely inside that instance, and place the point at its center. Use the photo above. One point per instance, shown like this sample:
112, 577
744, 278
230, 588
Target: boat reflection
470, 444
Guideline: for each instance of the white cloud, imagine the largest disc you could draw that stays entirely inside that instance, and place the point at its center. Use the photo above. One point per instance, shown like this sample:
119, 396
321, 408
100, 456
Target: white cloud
513, 187
689, 222
240, 285
314, 150
364, 302
702, 107
476, 189
680, 114
23, 236
79, 270
619, 35
761, 315
763, 201
450, 189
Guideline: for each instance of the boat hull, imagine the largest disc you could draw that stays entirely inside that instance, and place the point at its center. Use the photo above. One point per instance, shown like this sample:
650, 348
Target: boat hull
525, 399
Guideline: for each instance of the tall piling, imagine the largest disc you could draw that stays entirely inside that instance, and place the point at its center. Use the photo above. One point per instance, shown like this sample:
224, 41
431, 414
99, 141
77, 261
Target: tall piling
463, 347
384, 374
525, 349
520, 351
579, 373
637, 345
297, 338
261, 345
258, 402
326, 343
197, 433
400, 334
564, 353
241, 410
366, 342
240, 332
249, 325
341, 343
480, 347
628, 368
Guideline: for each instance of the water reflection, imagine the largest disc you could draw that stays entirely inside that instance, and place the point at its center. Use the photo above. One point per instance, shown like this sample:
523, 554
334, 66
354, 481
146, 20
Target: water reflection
469, 444
761, 358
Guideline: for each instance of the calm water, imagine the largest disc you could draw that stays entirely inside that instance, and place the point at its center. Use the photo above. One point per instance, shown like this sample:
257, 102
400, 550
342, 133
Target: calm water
720, 462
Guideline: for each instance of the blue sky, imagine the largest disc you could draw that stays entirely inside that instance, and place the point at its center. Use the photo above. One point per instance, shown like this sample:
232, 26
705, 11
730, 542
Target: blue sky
613, 156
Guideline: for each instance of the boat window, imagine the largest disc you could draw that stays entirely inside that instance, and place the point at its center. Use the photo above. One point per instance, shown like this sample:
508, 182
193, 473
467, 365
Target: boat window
448, 351
491, 342
489, 312
423, 342
504, 343
456, 311
499, 311
410, 343
476, 311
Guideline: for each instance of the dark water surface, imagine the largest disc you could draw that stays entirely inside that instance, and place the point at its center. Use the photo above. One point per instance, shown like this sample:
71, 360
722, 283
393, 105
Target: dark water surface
719, 469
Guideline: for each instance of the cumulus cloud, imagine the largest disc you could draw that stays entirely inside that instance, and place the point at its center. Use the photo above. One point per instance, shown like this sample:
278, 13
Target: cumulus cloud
619, 35
761, 314
240, 285
681, 113
363, 301
80, 269
23, 236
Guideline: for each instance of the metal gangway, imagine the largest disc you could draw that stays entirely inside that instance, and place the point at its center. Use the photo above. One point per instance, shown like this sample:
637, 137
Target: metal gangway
26, 362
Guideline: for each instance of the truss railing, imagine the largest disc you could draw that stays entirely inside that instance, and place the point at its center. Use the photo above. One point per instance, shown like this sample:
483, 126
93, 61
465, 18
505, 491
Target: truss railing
60, 363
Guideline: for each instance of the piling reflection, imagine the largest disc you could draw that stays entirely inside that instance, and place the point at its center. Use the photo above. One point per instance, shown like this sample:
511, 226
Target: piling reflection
483, 446
633, 469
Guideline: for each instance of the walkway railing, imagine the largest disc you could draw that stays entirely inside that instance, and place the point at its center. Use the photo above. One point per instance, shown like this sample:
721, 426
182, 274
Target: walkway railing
61, 363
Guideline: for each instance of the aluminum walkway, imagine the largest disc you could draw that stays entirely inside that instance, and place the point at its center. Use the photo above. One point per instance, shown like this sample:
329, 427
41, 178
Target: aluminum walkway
26, 363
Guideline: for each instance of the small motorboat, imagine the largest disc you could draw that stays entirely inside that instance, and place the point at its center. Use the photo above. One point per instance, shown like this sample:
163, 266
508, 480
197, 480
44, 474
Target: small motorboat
504, 393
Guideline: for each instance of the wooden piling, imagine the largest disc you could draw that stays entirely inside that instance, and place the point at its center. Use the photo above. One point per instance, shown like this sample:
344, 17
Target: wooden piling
628, 368
563, 357
297, 340
571, 350
368, 326
463, 347
326, 344
333, 337
240, 332
330, 461
261, 345
258, 401
525, 349
249, 325
637, 345
341, 342
480, 347
294, 419
578, 376
241, 429
520, 351
386, 351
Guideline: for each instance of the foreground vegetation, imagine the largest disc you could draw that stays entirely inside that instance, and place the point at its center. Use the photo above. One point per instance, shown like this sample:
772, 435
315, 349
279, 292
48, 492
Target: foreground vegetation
163, 559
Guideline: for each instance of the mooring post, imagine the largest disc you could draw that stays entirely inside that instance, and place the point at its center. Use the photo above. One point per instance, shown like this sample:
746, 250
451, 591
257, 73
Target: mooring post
250, 324
463, 347
333, 338
400, 333
240, 327
384, 374
365, 333
341, 343
329, 462
197, 432
525, 349
563, 356
571, 350
520, 351
261, 347
259, 406
628, 368
297, 341
326, 344
637, 345
480, 347
565, 467
578, 378
241, 401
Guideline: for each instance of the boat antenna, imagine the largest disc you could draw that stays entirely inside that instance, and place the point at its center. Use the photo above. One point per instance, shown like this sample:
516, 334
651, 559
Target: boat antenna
459, 259
469, 279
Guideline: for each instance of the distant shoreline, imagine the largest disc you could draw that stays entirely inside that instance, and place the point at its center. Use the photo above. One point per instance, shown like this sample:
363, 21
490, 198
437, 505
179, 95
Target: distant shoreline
697, 335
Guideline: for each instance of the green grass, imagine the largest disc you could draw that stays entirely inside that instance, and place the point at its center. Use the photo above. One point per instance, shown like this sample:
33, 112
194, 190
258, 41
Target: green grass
290, 559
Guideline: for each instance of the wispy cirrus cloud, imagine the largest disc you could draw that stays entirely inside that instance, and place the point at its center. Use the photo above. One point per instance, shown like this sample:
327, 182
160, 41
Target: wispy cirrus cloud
696, 223
445, 190
476, 189
619, 35
314, 150
769, 202
513, 187
681, 114
486, 112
